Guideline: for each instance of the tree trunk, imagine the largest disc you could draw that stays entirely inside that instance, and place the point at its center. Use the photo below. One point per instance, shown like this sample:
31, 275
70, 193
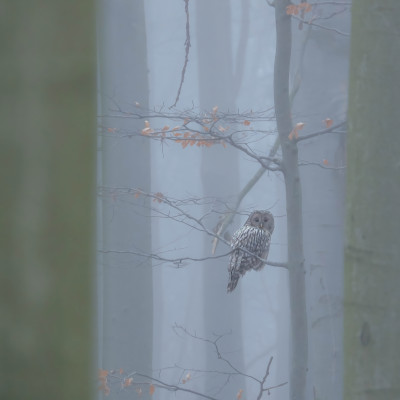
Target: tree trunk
222, 313
372, 251
299, 339
126, 301
47, 209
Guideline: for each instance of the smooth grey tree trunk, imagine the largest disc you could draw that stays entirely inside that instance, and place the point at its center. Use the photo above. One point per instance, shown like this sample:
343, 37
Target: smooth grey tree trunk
47, 204
125, 297
220, 171
299, 336
372, 251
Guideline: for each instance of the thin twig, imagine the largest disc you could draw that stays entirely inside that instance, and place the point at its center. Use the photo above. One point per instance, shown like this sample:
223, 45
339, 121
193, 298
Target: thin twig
187, 47
323, 132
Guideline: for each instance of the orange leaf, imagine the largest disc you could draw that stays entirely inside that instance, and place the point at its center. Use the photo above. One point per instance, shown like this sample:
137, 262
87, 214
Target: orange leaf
127, 382
147, 131
158, 197
176, 128
206, 129
295, 131
151, 390
239, 394
215, 109
103, 373
186, 135
221, 128
325, 162
121, 371
166, 127
328, 122
292, 10
246, 123
106, 390
147, 124
186, 121
307, 7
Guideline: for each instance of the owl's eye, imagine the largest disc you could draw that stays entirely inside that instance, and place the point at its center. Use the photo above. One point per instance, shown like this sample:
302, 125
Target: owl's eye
265, 219
256, 219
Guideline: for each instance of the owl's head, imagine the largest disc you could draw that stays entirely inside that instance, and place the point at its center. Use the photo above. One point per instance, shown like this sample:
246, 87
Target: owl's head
261, 219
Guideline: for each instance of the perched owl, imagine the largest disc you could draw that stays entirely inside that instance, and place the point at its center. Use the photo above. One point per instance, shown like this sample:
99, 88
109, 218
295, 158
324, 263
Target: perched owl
255, 237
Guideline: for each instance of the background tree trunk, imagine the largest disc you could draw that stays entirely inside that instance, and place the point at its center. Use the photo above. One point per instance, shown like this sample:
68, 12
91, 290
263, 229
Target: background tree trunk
47, 211
220, 178
126, 298
320, 69
372, 251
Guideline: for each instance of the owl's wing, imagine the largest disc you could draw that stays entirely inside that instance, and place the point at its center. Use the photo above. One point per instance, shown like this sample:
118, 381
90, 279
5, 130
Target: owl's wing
263, 252
237, 261
234, 268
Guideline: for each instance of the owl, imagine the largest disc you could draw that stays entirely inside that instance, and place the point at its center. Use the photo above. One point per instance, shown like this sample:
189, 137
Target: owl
254, 237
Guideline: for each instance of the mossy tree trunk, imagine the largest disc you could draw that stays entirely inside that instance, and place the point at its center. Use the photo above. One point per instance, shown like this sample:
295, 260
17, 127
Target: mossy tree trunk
47, 149
372, 250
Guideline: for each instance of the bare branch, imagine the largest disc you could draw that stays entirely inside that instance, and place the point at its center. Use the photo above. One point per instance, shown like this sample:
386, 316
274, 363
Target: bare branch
262, 390
183, 215
228, 218
314, 164
335, 3
187, 47
323, 132
179, 262
310, 22
220, 356
125, 380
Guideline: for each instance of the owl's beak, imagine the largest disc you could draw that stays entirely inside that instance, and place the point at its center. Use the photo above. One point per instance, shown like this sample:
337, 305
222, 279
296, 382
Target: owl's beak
262, 226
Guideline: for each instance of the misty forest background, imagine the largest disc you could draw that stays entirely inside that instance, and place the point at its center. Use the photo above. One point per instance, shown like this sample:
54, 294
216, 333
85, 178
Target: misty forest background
206, 110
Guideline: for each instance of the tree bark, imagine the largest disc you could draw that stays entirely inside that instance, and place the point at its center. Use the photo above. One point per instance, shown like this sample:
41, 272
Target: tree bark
299, 339
47, 209
372, 251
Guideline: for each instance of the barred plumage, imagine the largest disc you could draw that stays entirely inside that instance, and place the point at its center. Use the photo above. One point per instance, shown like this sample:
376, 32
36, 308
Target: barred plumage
250, 243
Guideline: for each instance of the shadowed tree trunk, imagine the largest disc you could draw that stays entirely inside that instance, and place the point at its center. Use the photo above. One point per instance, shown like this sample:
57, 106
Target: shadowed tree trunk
372, 251
126, 303
299, 340
47, 209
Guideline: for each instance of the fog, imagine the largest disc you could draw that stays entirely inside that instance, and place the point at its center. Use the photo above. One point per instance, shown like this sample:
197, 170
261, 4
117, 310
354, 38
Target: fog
200, 199
163, 307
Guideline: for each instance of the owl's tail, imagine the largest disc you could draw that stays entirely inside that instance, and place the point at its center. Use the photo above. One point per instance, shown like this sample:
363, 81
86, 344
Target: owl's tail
233, 282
